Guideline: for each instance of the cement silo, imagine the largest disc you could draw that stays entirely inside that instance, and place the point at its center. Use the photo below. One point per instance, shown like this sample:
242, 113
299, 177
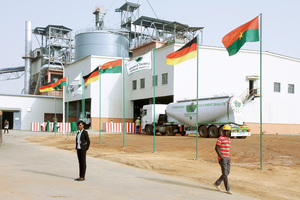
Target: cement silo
102, 43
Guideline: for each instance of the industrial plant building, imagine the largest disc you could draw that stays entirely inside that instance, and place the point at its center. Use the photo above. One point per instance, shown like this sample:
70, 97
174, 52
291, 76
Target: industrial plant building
239, 75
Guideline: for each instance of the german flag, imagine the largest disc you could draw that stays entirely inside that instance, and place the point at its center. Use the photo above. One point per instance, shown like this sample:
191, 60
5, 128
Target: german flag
111, 67
186, 52
54, 86
91, 77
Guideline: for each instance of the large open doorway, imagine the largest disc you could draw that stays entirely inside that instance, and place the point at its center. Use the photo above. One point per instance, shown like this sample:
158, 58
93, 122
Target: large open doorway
9, 116
138, 104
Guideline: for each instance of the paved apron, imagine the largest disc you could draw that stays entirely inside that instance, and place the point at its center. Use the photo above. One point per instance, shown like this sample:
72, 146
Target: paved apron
31, 171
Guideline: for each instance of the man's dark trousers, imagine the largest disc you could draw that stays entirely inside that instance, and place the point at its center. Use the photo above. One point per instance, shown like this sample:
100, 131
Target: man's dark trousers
225, 167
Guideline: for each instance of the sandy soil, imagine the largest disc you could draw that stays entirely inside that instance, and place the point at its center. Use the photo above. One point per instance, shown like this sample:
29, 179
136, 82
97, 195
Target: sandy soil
174, 155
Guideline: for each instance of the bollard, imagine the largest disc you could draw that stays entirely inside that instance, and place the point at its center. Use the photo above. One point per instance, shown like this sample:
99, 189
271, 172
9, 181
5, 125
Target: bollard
73, 127
54, 126
48, 126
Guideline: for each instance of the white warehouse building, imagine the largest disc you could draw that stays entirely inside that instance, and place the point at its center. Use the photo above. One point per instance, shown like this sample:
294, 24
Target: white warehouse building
219, 74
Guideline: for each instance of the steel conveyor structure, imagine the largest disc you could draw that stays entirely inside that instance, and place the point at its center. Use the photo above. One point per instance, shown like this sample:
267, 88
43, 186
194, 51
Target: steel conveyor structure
11, 73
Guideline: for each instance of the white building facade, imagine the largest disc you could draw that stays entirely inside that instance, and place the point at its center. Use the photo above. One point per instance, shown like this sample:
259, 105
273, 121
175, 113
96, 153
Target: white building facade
22, 110
218, 74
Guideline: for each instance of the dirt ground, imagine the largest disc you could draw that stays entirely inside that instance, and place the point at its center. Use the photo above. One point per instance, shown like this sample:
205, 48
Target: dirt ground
174, 155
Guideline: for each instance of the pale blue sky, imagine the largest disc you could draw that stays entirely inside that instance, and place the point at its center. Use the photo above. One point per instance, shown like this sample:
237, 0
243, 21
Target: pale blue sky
218, 17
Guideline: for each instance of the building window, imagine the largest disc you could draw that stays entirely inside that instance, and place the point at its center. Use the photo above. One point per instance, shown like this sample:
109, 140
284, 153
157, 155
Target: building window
291, 88
155, 80
134, 85
164, 79
142, 82
276, 87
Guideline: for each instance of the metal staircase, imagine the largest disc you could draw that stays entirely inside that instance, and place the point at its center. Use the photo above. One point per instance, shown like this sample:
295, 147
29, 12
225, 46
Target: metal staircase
249, 95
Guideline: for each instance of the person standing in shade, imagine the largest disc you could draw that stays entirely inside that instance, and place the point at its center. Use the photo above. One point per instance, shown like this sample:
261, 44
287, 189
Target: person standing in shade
137, 125
222, 148
82, 145
6, 126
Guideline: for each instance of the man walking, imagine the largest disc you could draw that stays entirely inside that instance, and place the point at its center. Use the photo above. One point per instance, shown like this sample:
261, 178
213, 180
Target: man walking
222, 149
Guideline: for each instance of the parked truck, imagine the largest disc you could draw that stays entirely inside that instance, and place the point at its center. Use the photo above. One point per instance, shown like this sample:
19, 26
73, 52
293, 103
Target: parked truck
86, 119
181, 117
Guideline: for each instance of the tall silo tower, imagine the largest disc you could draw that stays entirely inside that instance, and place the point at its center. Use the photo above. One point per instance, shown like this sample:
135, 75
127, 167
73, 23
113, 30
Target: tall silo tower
101, 41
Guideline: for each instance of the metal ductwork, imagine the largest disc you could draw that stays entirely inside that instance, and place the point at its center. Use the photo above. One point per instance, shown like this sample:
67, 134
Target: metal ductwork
27, 57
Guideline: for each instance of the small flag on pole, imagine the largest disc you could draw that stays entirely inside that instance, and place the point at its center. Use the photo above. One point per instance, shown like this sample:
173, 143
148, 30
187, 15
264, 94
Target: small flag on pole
111, 67
248, 32
188, 51
54, 86
141, 63
91, 77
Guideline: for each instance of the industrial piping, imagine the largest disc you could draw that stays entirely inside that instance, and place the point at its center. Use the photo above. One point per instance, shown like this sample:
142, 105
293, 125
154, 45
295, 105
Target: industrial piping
27, 57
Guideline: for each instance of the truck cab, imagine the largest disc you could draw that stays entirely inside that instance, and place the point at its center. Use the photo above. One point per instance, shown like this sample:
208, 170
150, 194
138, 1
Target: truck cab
86, 118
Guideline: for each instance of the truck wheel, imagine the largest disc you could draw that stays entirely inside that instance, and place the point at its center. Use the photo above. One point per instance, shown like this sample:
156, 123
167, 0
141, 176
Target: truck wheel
220, 130
213, 132
203, 131
241, 137
170, 131
163, 133
183, 133
149, 130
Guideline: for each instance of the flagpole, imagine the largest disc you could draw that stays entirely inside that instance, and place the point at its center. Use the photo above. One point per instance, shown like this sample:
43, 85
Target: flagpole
68, 108
261, 125
123, 102
54, 126
99, 107
83, 97
197, 134
153, 60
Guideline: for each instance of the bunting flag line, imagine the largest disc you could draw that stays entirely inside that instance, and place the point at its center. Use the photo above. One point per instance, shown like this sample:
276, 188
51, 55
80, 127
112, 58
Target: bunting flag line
248, 32
111, 67
91, 77
187, 52
141, 63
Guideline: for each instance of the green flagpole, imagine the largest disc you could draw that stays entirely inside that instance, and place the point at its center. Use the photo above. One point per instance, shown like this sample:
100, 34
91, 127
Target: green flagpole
83, 97
197, 97
123, 102
68, 108
54, 126
99, 106
261, 126
153, 60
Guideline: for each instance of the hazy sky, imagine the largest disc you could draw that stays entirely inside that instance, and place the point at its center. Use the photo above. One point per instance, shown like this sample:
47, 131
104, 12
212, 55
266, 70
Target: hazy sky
281, 28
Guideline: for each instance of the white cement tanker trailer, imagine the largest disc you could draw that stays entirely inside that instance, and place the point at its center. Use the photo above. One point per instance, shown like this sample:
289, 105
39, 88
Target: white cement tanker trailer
181, 117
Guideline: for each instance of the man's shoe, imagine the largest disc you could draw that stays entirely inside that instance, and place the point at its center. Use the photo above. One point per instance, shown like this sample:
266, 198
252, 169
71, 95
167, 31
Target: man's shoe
217, 186
229, 192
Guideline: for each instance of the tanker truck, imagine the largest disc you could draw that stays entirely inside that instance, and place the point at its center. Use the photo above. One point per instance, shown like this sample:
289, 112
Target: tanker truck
181, 117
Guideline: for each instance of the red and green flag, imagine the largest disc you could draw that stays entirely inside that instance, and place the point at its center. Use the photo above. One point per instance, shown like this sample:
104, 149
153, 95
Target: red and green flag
54, 86
248, 32
111, 67
186, 52
91, 77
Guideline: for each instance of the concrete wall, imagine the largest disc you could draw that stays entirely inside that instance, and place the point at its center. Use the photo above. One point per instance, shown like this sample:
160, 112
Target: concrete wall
32, 108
